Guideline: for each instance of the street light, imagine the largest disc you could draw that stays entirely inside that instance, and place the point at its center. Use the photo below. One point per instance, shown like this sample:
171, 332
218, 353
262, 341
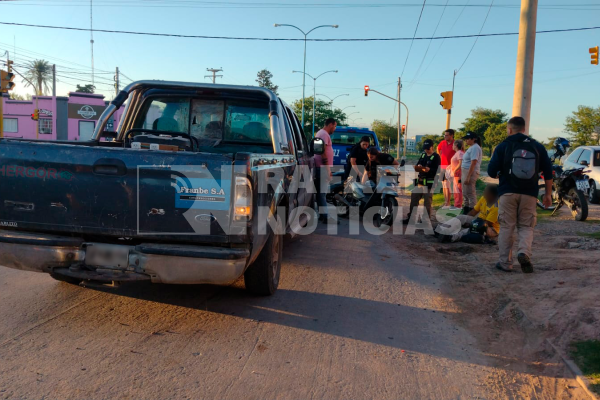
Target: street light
355, 119
331, 100
304, 70
314, 95
342, 109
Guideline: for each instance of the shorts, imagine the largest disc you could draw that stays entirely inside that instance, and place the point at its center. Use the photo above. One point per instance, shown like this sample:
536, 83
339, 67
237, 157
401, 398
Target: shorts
446, 178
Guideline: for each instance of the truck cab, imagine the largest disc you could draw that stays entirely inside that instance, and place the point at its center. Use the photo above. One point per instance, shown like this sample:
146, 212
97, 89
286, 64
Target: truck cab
199, 184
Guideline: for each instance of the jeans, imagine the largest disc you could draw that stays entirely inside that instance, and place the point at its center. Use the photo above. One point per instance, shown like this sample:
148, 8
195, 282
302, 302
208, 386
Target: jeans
322, 190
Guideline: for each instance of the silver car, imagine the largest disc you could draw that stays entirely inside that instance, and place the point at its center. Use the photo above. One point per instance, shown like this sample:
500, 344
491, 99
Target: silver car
589, 157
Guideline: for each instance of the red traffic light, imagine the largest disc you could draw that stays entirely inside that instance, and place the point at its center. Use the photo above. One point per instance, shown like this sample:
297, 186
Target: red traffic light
403, 128
367, 90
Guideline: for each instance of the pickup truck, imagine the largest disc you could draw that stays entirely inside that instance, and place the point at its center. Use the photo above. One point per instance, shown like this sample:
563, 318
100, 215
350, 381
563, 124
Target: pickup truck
176, 195
345, 137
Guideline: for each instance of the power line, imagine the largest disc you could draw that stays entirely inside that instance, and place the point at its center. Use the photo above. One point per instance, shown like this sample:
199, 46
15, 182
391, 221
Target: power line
428, 45
477, 38
413, 38
295, 39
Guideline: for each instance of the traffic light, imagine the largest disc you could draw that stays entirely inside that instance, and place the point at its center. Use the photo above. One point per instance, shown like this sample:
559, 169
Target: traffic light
36, 115
366, 90
403, 129
447, 102
6, 81
594, 53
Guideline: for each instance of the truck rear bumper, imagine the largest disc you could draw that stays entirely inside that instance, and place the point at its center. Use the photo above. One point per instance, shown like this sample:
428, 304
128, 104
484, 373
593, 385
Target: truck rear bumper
174, 264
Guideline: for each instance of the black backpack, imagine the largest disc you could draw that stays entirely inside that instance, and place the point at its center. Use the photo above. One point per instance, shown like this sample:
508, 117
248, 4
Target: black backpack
522, 161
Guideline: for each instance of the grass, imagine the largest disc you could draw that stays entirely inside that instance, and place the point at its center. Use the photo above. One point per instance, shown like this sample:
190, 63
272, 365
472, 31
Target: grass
586, 355
594, 235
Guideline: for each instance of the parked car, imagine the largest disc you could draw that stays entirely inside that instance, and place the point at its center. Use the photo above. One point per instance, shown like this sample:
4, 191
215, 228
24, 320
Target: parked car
173, 198
589, 157
344, 138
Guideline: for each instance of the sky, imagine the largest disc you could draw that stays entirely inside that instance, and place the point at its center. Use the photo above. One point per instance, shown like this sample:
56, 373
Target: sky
563, 75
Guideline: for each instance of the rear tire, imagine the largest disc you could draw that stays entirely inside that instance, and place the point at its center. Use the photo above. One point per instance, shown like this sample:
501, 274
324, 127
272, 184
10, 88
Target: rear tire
593, 194
581, 206
262, 277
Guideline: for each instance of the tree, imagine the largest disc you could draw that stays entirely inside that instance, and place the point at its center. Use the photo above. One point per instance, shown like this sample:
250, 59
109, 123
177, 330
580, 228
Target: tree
581, 126
436, 140
494, 135
86, 88
263, 78
322, 112
479, 122
386, 133
17, 96
39, 73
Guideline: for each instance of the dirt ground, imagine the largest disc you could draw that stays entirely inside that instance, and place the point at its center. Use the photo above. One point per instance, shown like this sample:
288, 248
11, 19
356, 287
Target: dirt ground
513, 314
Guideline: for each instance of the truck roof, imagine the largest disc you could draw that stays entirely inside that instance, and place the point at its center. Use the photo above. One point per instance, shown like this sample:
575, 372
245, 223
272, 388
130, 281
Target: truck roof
352, 129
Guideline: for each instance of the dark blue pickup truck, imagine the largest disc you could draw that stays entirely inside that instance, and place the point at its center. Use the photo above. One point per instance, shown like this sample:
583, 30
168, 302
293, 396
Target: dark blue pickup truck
198, 185
345, 137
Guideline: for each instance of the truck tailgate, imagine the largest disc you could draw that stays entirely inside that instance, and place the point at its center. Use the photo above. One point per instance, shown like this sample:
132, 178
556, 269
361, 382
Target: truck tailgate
117, 192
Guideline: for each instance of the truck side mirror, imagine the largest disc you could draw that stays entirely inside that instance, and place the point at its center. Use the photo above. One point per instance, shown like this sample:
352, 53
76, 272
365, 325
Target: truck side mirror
317, 146
584, 163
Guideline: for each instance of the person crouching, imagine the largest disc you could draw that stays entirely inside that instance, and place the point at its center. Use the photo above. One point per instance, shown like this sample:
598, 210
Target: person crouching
480, 225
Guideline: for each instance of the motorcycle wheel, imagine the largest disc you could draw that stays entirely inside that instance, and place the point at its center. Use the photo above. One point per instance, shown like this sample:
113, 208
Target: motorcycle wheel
540, 203
579, 205
391, 205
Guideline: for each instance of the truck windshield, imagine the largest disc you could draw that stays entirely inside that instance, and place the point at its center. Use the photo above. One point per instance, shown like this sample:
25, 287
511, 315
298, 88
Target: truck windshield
210, 120
349, 138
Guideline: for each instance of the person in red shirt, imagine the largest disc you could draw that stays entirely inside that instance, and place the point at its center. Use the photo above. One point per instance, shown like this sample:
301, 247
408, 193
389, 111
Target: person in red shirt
446, 153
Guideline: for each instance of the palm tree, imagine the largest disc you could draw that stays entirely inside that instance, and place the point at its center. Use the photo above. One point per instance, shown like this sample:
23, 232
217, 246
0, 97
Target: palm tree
39, 73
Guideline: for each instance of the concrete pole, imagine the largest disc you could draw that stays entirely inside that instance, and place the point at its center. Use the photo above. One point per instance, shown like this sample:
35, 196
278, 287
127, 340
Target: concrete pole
54, 80
399, 121
314, 101
117, 81
525, 56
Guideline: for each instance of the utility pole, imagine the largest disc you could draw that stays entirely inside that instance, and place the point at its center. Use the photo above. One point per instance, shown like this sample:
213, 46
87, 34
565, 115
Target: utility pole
117, 81
399, 124
92, 40
525, 56
54, 80
214, 74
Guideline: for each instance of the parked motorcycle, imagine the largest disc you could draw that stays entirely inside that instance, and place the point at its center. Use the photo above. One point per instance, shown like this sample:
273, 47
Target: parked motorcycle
358, 197
568, 188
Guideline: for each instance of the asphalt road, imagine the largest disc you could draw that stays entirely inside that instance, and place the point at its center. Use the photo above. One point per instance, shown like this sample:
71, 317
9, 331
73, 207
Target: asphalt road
352, 319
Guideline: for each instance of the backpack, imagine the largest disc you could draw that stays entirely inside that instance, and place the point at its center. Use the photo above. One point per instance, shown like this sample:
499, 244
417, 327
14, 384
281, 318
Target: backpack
522, 161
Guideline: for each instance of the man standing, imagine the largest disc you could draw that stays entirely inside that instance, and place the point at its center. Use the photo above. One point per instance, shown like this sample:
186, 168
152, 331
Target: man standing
446, 152
324, 163
517, 162
427, 167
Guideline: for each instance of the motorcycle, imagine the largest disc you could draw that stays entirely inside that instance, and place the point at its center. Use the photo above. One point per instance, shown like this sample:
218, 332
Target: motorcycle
355, 196
568, 188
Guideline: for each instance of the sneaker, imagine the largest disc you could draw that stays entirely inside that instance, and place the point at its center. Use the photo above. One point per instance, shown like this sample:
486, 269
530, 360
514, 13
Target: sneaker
446, 207
525, 262
503, 268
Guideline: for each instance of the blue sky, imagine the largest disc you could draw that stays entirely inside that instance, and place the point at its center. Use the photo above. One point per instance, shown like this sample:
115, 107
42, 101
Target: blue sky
564, 77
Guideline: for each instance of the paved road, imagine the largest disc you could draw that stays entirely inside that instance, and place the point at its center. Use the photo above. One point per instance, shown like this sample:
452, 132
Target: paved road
352, 319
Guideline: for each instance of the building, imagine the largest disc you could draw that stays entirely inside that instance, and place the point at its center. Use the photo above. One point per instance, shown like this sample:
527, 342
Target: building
410, 144
418, 138
60, 118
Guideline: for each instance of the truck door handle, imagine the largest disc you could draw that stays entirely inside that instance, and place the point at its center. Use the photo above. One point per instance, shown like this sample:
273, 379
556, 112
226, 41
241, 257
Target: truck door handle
19, 206
109, 166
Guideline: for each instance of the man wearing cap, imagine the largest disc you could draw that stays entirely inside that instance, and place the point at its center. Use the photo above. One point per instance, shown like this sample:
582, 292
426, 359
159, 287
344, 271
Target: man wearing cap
427, 167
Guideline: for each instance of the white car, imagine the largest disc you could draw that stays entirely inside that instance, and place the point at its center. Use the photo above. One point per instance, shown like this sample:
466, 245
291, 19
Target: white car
588, 157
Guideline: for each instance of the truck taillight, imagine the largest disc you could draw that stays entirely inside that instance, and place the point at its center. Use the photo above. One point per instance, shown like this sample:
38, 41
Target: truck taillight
242, 205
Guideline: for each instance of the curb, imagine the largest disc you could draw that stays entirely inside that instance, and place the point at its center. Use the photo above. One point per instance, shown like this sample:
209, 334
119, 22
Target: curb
579, 377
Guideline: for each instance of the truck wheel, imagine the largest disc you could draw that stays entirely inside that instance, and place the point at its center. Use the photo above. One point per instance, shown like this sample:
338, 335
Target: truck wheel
593, 194
262, 277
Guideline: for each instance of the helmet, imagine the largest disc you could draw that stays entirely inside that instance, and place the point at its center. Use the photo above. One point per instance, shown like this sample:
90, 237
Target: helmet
561, 145
427, 144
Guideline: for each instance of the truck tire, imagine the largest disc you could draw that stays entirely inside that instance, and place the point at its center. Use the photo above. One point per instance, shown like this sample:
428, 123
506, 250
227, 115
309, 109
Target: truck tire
262, 277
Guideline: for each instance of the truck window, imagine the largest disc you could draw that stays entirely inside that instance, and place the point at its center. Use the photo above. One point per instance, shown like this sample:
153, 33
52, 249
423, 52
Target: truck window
207, 119
247, 121
295, 129
349, 138
167, 114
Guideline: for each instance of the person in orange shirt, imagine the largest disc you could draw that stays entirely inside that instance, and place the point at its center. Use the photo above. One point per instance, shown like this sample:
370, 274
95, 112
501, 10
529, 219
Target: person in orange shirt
446, 152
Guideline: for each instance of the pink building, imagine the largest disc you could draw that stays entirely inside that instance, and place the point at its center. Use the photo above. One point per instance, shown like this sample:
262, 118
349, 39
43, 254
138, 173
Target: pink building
60, 118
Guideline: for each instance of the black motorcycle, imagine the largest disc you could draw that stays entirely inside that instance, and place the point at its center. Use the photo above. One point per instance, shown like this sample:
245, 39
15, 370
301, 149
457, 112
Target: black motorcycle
568, 189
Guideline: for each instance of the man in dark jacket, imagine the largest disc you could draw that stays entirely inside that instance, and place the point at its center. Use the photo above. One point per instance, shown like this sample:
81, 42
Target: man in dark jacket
517, 162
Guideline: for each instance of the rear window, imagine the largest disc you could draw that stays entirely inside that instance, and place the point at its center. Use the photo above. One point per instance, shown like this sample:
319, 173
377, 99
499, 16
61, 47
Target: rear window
596, 161
350, 138
209, 120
